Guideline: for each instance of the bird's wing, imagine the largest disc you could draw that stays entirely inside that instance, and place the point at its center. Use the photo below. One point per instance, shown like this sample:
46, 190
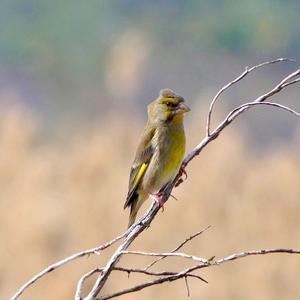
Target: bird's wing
143, 156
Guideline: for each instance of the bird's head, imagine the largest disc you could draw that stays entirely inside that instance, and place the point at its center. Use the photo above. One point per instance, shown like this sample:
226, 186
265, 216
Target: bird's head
168, 107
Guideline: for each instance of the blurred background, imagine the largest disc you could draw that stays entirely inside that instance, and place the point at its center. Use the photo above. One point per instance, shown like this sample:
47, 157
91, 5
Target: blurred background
75, 79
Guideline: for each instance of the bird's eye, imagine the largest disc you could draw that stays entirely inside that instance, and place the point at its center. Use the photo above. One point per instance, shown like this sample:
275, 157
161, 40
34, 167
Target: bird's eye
170, 104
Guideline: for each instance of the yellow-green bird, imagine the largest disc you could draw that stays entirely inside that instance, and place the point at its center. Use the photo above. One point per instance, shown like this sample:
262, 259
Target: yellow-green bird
160, 151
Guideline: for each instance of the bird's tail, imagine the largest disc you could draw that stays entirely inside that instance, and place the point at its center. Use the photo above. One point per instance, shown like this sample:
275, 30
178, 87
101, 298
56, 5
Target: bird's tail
135, 206
132, 217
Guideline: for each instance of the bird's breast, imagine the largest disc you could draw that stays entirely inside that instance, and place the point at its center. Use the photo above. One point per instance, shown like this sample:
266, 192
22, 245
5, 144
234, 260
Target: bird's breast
169, 144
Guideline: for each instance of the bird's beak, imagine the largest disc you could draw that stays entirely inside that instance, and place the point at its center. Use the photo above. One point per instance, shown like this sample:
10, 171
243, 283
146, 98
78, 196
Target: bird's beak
183, 107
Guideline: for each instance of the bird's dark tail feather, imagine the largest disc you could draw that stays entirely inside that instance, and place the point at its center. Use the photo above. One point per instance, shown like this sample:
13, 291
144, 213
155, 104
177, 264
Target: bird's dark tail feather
134, 207
132, 217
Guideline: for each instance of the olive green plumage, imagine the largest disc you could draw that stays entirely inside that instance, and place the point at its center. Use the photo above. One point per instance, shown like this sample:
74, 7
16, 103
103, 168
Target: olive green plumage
160, 150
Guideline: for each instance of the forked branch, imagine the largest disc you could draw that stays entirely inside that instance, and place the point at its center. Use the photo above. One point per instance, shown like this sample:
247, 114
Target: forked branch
188, 271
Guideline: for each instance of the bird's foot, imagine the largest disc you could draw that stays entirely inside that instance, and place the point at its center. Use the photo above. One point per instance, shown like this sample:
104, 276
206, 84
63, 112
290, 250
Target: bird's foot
158, 199
182, 171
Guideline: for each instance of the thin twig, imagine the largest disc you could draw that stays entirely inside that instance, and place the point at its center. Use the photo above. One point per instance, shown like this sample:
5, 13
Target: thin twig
64, 261
187, 286
231, 115
179, 246
190, 238
215, 133
167, 254
151, 273
183, 273
254, 252
161, 280
143, 271
237, 79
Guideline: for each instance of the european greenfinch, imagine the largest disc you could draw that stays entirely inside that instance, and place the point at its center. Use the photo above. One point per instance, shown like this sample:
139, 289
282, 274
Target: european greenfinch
159, 153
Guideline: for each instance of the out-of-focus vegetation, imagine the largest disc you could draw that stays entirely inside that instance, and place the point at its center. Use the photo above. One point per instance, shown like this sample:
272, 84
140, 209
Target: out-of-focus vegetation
61, 197
75, 78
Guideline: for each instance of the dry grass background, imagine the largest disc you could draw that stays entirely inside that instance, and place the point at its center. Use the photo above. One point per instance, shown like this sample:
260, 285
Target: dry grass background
62, 196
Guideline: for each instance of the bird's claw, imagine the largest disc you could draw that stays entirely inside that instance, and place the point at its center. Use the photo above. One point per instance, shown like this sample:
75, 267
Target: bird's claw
158, 199
182, 171
179, 181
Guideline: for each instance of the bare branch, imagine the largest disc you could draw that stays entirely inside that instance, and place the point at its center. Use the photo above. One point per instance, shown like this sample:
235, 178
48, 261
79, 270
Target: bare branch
187, 286
143, 271
280, 86
291, 82
179, 246
132, 232
140, 271
64, 261
213, 135
167, 254
161, 280
254, 252
185, 272
78, 293
232, 115
237, 79
151, 273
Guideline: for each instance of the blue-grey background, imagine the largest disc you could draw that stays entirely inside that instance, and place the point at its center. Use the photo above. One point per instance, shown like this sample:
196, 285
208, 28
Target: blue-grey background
72, 61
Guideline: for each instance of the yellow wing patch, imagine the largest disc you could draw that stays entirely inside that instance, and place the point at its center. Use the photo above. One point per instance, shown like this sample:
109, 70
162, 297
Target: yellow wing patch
140, 174
135, 183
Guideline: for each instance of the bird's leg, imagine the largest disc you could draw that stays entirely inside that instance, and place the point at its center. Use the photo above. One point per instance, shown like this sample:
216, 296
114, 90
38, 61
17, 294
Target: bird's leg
158, 199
